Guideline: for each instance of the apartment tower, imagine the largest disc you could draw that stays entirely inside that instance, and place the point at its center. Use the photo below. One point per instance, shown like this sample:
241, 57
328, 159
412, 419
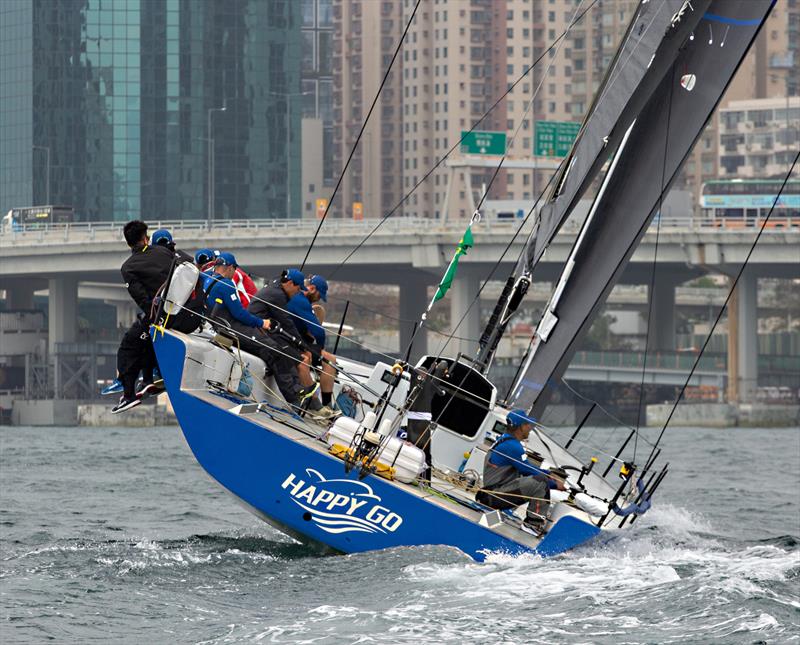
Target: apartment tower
365, 37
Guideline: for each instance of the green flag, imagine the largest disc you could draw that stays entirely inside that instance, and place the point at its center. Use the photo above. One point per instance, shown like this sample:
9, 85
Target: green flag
465, 244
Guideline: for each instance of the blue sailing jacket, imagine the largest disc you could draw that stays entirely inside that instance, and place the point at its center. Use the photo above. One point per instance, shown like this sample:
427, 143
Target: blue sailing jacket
305, 319
510, 452
224, 293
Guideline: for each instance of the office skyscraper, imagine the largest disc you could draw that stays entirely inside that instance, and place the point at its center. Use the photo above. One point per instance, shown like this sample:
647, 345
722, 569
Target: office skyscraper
150, 108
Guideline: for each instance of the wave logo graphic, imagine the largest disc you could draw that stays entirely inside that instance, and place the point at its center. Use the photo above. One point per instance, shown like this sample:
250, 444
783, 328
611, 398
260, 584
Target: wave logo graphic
340, 505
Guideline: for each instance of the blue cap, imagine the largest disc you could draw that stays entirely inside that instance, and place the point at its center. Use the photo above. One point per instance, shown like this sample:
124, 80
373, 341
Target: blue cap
516, 418
161, 236
296, 276
322, 286
226, 260
203, 256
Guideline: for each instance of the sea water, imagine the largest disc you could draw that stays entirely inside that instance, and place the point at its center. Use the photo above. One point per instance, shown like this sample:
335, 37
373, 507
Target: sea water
117, 535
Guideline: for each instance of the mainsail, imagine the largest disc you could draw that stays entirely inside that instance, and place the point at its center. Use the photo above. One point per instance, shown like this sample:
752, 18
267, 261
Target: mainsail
650, 45
653, 143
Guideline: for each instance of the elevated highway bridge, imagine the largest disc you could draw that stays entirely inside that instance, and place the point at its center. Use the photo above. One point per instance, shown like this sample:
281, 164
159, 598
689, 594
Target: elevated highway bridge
411, 253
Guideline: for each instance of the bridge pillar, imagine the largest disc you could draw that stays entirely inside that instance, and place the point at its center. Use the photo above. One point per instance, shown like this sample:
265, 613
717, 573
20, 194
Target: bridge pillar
20, 296
662, 336
126, 312
747, 337
462, 293
413, 301
62, 311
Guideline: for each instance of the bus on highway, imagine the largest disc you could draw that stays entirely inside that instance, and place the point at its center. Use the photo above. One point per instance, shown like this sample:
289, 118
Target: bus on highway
32, 217
735, 203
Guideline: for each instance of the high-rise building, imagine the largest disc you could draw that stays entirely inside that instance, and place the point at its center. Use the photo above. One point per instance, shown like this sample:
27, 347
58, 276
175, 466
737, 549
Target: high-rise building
365, 37
768, 71
316, 101
155, 109
758, 138
459, 59
462, 56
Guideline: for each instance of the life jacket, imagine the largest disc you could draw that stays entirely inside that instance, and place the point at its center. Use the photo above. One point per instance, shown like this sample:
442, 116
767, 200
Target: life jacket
245, 287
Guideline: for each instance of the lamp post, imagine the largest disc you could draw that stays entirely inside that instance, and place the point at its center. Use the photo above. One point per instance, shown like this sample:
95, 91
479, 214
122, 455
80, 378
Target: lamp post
211, 168
288, 97
47, 166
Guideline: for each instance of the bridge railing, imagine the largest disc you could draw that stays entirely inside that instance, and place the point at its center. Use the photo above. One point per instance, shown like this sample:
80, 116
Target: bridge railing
112, 231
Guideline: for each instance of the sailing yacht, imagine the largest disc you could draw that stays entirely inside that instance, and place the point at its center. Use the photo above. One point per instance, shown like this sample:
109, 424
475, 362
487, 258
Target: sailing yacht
352, 484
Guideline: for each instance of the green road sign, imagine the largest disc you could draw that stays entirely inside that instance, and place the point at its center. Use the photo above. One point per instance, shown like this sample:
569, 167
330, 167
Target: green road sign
483, 143
554, 138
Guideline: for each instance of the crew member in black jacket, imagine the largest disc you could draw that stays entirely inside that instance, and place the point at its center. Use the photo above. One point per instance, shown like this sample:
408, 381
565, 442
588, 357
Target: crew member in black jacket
271, 302
144, 272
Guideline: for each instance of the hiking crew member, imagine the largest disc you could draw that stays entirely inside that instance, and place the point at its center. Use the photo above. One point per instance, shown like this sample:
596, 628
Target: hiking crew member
144, 272
245, 287
316, 291
428, 384
226, 309
272, 301
509, 480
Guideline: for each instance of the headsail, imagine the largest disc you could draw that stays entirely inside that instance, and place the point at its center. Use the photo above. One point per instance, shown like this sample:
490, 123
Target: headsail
655, 143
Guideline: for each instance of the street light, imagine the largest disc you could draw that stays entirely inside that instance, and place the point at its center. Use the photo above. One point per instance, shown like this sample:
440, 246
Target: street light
211, 167
288, 97
47, 166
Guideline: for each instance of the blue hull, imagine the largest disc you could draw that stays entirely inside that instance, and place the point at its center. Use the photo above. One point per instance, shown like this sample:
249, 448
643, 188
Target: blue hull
308, 494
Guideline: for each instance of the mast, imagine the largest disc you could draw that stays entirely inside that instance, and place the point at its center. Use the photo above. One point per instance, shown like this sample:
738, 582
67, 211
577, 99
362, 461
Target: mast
654, 144
650, 45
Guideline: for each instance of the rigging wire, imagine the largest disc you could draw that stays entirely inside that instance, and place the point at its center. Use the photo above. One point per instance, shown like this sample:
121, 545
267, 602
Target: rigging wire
722, 310
576, 18
298, 361
497, 171
360, 133
439, 162
653, 270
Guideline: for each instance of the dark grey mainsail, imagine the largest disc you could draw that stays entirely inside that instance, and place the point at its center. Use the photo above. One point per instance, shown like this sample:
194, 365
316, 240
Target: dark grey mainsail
652, 146
656, 32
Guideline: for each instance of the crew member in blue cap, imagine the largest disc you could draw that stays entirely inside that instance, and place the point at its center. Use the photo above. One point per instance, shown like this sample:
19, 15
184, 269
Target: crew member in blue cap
162, 237
227, 314
272, 301
316, 290
203, 257
510, 480
223, 302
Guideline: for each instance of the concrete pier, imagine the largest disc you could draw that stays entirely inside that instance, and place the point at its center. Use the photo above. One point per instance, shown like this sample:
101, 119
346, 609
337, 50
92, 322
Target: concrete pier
462, 293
